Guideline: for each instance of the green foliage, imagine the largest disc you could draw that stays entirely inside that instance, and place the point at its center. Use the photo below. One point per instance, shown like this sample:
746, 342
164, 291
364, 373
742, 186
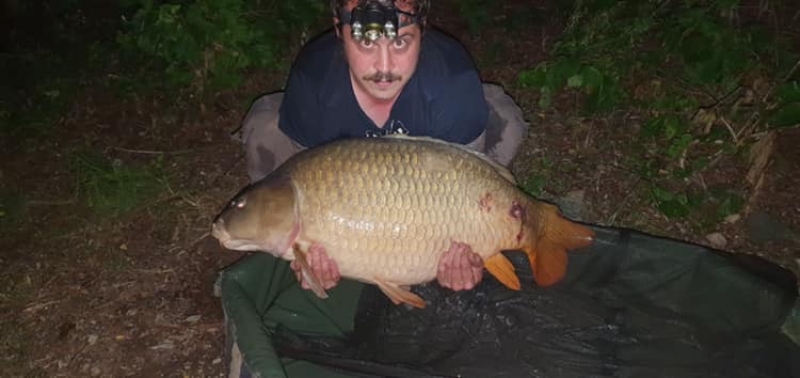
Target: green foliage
477, 13
787, 109
208, 44
112, 188
535, 183
40, 78
699, 79
602, 91
36, 113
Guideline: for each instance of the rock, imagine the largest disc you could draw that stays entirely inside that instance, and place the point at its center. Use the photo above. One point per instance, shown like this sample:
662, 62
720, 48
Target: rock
572, 204
730, 219
92, 339
192, 319
165, 345
717, 240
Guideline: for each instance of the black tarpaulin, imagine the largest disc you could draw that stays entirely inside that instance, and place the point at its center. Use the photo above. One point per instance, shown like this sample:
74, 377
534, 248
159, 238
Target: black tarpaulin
632, 305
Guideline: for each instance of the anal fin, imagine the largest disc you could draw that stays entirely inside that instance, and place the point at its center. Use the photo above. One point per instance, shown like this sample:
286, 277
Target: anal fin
308, 275
399, 295
502, 269
549, 263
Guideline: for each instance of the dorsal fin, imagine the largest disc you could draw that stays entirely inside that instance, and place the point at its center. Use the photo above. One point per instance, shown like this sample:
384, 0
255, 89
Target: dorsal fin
503, 171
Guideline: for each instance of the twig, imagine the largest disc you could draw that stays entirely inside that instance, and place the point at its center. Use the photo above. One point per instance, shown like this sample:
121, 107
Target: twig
38, 306
156, 271
613, 217
762, 114
730, 129
50, 203
154, 152
205, 235
785, 77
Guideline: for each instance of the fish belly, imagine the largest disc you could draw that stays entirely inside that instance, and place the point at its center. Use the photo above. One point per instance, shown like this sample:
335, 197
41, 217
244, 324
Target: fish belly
390, 212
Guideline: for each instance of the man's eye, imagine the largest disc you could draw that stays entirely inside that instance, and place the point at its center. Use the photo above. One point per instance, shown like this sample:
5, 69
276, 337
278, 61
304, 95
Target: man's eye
366, 43
399, 43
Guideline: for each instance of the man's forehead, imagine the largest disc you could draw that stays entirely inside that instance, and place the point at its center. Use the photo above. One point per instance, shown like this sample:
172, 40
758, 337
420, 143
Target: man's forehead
403, 5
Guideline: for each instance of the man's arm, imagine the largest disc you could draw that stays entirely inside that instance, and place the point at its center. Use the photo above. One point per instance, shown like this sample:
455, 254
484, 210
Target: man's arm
462, 111
299, 115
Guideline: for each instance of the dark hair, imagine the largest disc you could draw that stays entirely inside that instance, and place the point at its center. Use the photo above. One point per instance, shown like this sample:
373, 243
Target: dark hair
421, 7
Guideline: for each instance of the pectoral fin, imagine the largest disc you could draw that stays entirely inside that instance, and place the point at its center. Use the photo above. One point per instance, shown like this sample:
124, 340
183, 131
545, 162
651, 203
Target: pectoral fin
399, 295
502, 269
308, 275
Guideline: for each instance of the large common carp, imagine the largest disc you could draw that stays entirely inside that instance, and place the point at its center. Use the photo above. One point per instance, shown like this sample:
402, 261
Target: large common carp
385, 210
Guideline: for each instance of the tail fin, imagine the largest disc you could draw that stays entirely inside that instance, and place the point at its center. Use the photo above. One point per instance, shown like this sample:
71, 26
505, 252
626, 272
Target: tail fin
547, 248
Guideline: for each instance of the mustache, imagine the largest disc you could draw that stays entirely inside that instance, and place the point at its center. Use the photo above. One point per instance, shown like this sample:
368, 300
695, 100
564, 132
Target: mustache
383, 76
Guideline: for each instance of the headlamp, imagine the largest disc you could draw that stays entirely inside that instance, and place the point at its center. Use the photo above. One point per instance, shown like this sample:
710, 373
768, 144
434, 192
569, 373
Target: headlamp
373, 19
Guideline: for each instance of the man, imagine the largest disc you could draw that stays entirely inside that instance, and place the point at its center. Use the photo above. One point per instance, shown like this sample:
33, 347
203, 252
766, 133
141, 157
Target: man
355, 82
420, 83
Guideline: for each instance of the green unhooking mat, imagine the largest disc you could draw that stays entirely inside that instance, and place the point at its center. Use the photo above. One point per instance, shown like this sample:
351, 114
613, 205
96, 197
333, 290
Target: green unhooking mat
632, 305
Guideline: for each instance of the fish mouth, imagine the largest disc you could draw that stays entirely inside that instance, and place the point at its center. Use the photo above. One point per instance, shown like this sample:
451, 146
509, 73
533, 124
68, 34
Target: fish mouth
219, 232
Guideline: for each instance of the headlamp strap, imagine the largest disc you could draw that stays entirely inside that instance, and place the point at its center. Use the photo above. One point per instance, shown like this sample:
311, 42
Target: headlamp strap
404, 18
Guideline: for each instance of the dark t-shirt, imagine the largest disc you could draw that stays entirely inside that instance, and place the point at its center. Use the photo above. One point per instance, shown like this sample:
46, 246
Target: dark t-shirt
443, 99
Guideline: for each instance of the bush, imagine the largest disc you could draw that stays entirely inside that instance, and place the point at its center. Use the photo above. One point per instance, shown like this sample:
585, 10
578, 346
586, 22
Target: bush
703, 76
210, 43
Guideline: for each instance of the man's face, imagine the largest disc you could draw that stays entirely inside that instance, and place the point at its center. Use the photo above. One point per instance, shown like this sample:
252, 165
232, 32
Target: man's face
382, 68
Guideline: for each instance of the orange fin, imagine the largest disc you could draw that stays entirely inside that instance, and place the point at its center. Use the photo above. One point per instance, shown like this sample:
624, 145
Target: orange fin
571, 235
399, 295
502, 269
308, 275
549, 264
548, 254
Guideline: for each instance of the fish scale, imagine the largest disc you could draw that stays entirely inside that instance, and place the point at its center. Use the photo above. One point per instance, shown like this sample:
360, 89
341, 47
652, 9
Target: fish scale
377, 202
385, 210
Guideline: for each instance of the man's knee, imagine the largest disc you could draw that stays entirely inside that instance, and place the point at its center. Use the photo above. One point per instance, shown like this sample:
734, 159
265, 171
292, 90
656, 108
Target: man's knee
506, 127
265, 145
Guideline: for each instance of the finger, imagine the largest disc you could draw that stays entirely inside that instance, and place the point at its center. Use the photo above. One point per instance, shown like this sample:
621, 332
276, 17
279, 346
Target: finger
458, 280
313, 260
475, 260
465, 258
471, 267
446, 269
458, 248
335, 276
296, 269
476, 265
477, 275
446, 260
460, 271
325, 271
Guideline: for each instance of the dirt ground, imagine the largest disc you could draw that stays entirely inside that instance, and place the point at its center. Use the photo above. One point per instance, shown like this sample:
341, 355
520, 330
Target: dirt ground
85, 296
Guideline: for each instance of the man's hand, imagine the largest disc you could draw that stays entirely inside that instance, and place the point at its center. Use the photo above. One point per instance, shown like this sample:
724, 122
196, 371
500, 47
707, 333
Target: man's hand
460, 268
322, 266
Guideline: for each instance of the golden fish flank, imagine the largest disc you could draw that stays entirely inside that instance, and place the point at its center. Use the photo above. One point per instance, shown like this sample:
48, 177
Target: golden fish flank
386, 209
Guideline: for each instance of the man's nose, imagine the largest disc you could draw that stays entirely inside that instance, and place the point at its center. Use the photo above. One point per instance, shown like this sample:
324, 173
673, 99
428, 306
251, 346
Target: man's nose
385, 61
